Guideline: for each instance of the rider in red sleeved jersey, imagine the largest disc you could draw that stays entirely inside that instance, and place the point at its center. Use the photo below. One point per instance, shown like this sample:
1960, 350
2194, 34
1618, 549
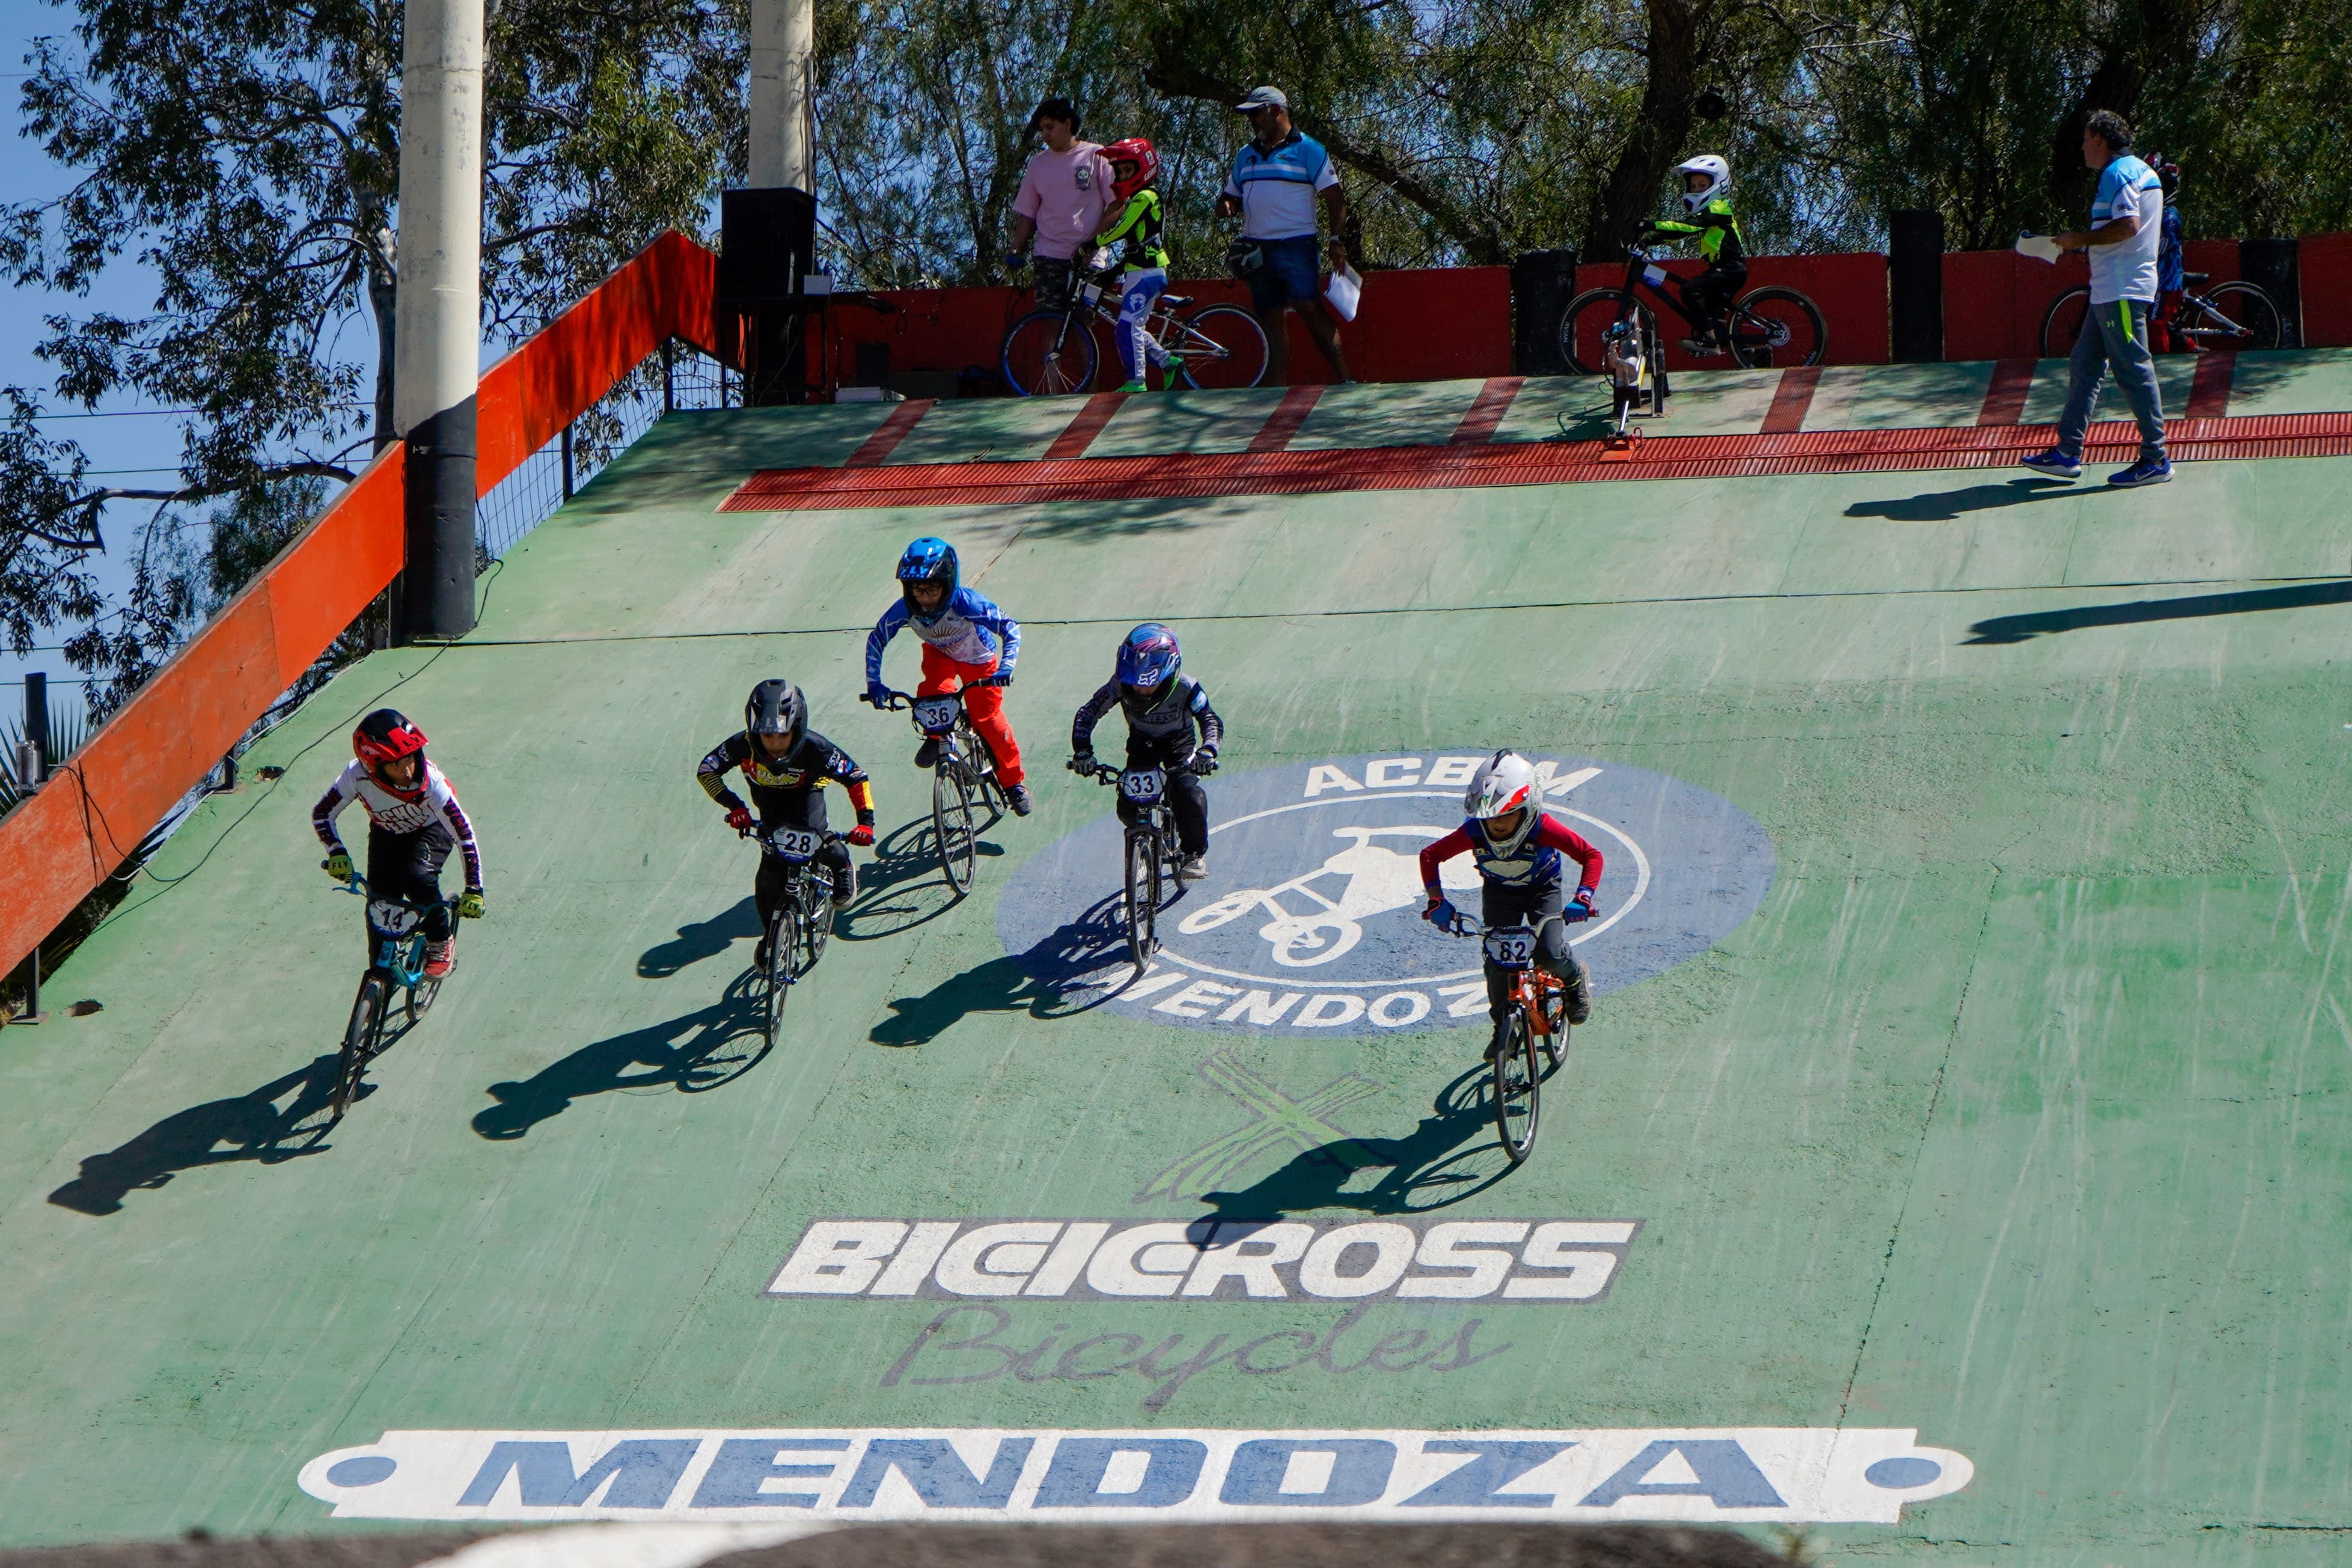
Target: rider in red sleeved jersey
1522, 855
414, 821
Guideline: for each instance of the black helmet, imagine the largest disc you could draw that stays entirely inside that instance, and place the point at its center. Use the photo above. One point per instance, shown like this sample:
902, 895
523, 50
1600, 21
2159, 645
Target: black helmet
776, 707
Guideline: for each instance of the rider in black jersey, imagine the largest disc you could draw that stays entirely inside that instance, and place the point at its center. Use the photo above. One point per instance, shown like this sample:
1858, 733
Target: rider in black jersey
1163, 708
787, 764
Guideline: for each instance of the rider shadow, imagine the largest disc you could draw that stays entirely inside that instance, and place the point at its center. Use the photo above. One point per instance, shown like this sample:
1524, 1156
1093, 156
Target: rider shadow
1451, 1155
700, 939
252, 1127
692, 1053
1042, 982
902, 886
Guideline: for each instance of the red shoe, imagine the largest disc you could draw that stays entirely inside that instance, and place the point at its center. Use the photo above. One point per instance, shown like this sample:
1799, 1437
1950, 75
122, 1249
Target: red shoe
440, 957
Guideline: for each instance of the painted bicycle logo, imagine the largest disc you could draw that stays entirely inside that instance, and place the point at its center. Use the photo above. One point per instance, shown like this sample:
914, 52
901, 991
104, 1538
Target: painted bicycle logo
1310, 916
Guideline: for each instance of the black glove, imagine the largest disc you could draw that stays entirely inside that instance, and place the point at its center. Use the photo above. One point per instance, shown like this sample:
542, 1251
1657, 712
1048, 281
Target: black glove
1205, 762
1084, 762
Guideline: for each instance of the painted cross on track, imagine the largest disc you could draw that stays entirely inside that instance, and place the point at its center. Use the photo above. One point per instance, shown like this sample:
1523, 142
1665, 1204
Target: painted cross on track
1304, 1124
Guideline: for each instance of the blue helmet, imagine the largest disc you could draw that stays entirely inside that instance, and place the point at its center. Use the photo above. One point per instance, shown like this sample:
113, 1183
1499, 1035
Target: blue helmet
1149, 656
927, 560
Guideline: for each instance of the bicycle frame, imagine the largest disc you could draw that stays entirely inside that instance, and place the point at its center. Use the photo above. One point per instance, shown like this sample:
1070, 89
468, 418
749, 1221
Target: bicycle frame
1530, 986
1094, 298
957, 740
1637, 264
401, 956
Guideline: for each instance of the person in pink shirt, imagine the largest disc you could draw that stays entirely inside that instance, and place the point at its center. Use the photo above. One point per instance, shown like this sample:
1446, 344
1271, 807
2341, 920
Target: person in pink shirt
1064, 191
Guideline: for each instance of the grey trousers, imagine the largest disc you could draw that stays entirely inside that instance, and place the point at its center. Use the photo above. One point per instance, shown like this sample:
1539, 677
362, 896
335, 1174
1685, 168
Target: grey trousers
2115, 336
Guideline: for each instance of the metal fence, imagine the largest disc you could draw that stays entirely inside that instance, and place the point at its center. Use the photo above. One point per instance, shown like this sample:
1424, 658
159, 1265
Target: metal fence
680, 376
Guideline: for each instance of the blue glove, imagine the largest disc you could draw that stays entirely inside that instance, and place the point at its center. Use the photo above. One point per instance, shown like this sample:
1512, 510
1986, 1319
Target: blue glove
1441, 915
1002, 678
878, 694
1580, 907
1014, 260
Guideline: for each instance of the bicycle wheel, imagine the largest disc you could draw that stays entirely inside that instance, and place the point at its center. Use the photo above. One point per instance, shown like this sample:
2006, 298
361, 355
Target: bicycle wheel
1142, 897
951, 824
1049, 352
361, 1036
2064, 322
1768, 326
1588, 317
1517, 1087
2235, 316
1223, 346
777, 976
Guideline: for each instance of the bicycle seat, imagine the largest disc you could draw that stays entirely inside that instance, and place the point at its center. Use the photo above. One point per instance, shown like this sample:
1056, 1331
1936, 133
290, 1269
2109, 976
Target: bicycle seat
1175, 301
2193, 278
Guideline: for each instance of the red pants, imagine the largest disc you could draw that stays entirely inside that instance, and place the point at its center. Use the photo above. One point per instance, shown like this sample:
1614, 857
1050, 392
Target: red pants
985, 705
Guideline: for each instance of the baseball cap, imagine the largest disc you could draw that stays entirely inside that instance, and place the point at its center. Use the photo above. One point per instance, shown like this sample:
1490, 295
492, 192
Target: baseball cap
1262, 98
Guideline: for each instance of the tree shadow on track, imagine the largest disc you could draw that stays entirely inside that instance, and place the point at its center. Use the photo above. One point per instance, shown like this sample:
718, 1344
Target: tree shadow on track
1080, 950
1451, 1155
700, 939
1950, 506
263, 1125
692, 1053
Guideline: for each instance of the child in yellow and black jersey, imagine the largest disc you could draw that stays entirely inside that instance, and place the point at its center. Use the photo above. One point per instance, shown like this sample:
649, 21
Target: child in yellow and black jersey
786, 764
1707, 197
1134, 222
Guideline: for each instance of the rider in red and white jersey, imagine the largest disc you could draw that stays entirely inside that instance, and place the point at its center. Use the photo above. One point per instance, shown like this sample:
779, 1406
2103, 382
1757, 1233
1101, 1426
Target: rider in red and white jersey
414, 821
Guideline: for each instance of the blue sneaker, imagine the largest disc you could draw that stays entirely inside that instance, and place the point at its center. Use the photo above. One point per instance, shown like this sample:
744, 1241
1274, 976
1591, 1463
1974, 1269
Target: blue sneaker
2056, 464
2147, 471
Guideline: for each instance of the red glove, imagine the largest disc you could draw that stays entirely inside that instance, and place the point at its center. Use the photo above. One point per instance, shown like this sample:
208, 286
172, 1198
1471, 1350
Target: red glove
740, 818
862, 835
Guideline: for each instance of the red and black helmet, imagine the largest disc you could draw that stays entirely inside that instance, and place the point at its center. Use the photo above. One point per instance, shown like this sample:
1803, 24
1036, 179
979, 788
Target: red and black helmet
387, 736
1133, 164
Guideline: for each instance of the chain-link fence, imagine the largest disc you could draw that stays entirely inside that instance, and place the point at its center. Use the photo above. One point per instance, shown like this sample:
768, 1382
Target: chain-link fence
680, 376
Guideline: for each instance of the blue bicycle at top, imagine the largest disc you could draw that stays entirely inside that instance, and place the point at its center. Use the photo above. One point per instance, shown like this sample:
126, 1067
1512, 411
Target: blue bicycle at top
398, 967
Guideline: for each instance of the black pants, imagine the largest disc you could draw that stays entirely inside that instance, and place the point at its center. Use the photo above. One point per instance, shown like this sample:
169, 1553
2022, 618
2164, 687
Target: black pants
1186, 798
792, 808
1709, 295
1537, 906
408, 866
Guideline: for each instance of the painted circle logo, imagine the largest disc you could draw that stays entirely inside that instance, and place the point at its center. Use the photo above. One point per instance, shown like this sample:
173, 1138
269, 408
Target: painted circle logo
1310, 917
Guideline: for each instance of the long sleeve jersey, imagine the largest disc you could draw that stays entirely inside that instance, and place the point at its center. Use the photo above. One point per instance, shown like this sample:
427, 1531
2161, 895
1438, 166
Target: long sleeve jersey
806, 765
1140, 224
1534, 861
437, 802
1171, 718
1718, 231
969, 630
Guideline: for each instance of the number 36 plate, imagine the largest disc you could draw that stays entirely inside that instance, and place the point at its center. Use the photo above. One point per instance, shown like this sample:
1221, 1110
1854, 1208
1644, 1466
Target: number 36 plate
793, 844
1142, 785
936, 715
1511, 947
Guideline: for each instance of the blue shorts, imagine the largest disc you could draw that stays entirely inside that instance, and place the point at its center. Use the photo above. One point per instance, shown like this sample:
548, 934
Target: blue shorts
1291, 271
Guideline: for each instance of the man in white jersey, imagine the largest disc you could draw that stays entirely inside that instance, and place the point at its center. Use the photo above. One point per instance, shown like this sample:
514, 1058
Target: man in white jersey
414, 821
2125, 233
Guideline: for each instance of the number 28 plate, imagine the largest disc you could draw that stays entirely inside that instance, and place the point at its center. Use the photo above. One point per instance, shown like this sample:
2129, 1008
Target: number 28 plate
793, 844
1142, 785
936, 715
1511, 947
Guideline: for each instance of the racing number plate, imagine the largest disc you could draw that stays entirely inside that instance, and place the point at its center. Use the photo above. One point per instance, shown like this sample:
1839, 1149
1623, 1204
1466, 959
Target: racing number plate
393, 918
1142, 785
937, 715
793, 844
1511, 947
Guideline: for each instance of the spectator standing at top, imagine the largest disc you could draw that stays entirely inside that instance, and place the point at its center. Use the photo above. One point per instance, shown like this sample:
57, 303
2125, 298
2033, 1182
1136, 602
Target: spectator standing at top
2171, 273
1064, 191
1275, 182
2126, 227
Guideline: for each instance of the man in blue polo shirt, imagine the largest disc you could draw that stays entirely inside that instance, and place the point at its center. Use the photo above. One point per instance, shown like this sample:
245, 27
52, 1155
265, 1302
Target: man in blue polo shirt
1275, 182
2126, 228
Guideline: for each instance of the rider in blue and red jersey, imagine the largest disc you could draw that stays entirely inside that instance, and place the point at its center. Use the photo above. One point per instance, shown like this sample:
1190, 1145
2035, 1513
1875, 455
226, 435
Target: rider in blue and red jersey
1521, 854
968, 643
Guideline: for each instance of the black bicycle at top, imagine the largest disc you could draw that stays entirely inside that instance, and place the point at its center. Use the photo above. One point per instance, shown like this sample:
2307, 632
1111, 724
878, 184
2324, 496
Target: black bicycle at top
963, 776
396, 980
802, 920
1763, 328
1050, 350
1152, 853
2225, 318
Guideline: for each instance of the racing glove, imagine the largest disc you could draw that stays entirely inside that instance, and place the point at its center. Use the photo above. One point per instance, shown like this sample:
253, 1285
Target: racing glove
339, 864
469, 905
1580, 907
1084, 762
1439, 913
877, 694
740, 818
862, 835
1002, 678
1205, 762
1014, 260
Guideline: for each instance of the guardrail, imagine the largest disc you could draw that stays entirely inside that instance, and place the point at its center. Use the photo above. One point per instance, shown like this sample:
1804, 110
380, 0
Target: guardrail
58, 846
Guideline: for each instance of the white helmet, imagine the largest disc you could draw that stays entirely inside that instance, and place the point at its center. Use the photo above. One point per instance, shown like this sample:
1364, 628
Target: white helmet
1719, 179
1504, 782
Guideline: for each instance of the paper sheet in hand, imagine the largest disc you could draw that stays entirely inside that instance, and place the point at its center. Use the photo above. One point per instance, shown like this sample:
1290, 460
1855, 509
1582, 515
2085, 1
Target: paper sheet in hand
1345, 290
2041, 247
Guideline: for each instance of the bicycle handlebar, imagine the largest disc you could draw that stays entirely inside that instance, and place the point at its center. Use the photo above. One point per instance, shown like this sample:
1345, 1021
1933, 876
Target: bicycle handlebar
358, 886
896, 700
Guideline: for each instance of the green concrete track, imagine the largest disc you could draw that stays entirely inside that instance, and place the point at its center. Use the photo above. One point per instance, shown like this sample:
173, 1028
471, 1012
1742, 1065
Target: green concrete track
2017, 1115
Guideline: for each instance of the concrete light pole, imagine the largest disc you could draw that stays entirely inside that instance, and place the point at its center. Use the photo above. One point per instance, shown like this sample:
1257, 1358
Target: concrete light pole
784, 82
437, 327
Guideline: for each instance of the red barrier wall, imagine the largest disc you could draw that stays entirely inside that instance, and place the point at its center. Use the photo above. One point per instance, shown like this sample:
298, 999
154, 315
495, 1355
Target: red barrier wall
1995, 300
1850, 289
2324, 262
63, 842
